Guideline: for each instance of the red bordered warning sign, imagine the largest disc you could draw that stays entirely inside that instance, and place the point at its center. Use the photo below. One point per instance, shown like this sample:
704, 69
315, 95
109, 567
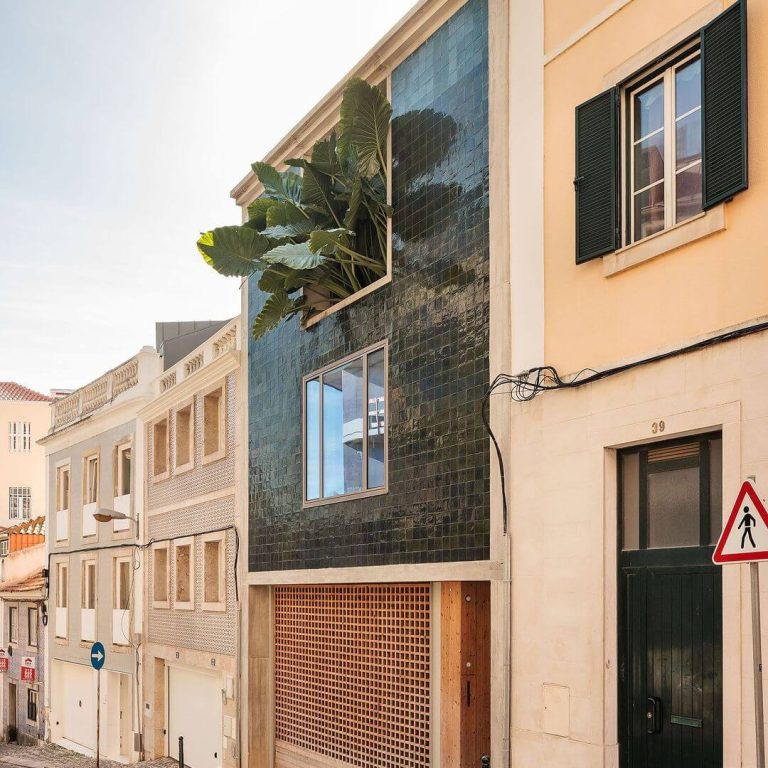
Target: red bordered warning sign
745, 536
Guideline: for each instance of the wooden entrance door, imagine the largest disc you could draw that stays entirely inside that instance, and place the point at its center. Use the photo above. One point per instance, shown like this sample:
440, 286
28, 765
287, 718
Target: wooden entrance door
11, 711
670, 605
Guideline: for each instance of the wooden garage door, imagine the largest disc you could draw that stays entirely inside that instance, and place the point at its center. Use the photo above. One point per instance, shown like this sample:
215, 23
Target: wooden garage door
352, 675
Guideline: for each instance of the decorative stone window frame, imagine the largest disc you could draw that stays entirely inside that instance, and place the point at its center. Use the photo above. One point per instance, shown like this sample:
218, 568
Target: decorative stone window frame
179, 469
186, 605
221, 603
164, 545
166, 472
221, 451
363, 354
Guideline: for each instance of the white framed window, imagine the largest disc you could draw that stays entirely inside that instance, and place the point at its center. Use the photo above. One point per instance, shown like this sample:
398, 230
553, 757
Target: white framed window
88, 599
214, 571
184, 437
4, 546
13, 624
662, 126
32, 627
122, 585
345, 428
62, 488
19, 502
62, 599
32, 705
123, 470
184, 574
214, 423
160, 575
19, 436
91, 479
160, 436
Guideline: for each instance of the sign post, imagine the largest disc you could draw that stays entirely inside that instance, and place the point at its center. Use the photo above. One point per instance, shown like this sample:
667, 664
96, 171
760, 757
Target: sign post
745, 540
97, 662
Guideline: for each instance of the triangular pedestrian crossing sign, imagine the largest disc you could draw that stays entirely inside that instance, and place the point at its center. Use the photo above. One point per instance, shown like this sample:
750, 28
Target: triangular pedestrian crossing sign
745, 536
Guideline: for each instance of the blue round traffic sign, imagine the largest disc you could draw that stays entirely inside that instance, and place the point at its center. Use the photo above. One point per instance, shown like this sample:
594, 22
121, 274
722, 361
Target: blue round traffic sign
97, 655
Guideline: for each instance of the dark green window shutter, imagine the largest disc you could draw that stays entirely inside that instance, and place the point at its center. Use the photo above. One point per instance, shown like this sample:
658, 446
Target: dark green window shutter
724, 105
597, 176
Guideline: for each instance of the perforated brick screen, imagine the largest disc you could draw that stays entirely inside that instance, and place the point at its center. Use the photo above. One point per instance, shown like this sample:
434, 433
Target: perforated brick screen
352, 672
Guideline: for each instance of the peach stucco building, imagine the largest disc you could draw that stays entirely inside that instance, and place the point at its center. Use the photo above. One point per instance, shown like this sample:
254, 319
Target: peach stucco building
24, 419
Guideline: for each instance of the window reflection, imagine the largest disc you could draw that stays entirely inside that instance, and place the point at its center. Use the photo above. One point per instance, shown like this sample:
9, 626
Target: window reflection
313, 438
376, 419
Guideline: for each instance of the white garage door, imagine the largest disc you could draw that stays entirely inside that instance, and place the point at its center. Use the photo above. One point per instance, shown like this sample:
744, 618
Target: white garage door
79, 687
194, 712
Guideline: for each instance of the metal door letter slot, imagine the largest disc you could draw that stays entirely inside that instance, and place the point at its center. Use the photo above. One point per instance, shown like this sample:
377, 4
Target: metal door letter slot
691, 722
653, 715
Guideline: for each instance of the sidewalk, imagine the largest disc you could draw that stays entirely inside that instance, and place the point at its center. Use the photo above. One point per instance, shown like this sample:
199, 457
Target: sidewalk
52, 756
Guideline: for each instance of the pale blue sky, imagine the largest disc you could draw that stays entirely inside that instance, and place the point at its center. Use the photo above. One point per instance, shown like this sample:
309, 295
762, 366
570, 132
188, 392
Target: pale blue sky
123, 127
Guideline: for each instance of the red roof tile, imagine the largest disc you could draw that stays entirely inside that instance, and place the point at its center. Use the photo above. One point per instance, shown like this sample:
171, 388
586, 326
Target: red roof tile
10, 390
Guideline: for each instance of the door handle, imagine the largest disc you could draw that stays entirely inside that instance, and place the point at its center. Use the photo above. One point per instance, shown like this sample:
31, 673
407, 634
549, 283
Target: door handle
653, 715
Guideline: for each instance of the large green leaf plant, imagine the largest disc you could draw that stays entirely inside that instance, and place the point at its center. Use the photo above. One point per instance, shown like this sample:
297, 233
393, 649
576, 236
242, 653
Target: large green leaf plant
318, 232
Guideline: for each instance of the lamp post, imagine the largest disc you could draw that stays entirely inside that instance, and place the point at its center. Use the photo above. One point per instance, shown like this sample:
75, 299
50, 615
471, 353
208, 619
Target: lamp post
103, 515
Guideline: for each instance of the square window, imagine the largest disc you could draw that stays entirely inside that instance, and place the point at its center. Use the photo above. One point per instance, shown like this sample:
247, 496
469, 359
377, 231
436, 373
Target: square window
663, 161
184, 438
160, 448
345, 428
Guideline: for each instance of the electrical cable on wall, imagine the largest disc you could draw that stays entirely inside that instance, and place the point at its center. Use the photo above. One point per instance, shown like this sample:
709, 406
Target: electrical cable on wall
523, 387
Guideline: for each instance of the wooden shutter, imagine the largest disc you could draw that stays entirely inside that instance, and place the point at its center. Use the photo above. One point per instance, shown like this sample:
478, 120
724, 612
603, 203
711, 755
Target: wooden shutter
724, 102
597, 176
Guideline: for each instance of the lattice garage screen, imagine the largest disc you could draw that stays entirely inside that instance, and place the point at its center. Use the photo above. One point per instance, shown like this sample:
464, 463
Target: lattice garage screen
352, 672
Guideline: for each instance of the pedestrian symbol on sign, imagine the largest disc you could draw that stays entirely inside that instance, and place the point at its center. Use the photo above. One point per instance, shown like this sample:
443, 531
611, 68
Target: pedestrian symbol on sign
747, 521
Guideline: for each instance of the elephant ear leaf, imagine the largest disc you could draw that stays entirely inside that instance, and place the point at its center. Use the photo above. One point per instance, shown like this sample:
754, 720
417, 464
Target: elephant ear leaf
363, 124
276, 307
279, 186
233, 250
294, 256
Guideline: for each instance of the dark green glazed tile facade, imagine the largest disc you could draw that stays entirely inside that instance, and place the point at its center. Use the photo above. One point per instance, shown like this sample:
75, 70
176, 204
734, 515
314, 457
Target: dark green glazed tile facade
434, 315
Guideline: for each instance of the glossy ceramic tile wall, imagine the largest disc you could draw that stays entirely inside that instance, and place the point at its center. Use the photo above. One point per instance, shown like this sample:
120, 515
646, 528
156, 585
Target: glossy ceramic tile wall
434, 315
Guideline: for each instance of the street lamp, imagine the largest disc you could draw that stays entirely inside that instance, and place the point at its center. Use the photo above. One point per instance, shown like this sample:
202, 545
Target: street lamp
107, 515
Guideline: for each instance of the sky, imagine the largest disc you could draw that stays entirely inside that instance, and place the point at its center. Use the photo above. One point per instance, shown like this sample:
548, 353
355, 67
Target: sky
123, 128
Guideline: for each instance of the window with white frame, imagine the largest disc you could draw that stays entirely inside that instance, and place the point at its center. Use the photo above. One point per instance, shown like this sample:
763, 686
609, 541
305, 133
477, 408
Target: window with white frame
4, 546
62, 488
663, 125
91, 479
32, 705
123, 470
88, 585
32, 626
19, 502
160, 575
122, 584
183, 574
13, 624
19, 436
62, 599
345, 428
214, 594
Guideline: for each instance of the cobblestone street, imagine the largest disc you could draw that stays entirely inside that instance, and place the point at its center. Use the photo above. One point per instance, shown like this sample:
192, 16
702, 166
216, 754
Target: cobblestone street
52, 756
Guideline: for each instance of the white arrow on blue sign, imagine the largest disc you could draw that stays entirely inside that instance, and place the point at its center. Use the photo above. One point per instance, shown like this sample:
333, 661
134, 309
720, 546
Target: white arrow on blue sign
97, 655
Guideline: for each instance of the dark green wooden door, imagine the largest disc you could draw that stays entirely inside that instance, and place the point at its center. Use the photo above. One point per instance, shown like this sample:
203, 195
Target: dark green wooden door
670, 608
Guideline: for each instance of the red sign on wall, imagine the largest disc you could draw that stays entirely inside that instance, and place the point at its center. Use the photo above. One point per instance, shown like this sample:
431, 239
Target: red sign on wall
28, 671
3, 661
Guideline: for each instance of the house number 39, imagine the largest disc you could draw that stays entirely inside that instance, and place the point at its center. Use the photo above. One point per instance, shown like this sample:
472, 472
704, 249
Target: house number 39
657, 426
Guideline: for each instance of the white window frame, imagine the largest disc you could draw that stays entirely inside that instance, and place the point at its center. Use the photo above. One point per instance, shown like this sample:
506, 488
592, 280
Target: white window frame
91, 474
164, 474
120, 449
184, 605
117, 611
60, 470
62, 600
19, 502
89, 569
33, 691
664, 71
187, 465
221, 450
161, 603
318, 374
19, 436
13, 636
4, 545
221, 603
31, 624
